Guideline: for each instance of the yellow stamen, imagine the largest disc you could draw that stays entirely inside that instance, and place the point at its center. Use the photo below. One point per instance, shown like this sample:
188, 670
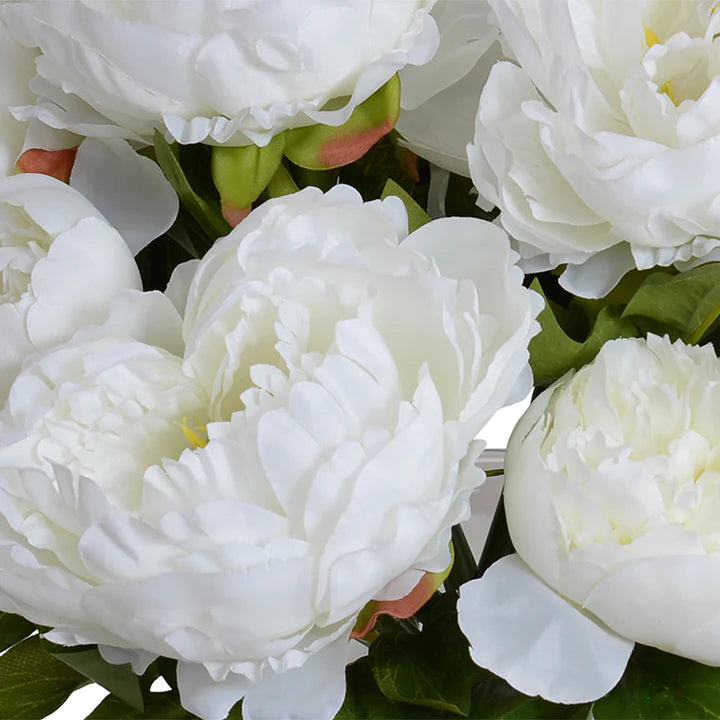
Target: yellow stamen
192, 437
650, 37
667, 89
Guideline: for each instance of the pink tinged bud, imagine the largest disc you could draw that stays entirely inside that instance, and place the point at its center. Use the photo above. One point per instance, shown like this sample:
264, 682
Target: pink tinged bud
55, 163
344, 150
322, 147
235, 215
403, 608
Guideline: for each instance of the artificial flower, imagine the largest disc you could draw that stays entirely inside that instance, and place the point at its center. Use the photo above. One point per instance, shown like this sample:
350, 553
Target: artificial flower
118, 69
236, 509
60, 267
612, 497
601, 148
440, 99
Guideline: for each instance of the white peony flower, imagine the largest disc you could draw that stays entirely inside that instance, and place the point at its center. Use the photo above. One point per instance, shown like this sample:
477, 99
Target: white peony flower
237, 510
602, 148
215, 71
61, 264
440, 99
17, 66
612, 499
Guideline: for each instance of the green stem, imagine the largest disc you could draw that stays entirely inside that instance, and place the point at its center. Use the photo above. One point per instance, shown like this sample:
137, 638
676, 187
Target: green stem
702, 329
495, 473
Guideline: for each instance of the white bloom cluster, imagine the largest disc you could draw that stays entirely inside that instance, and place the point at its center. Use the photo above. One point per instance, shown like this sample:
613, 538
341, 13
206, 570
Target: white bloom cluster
612, 497
237, 507
601, 148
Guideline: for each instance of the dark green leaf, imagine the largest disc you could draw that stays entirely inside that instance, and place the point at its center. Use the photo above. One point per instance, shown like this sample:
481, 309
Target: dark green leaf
13, 628
678, 304
553, 352
120, 680
464, 565
432, 669
365, 701
658, 685
417, 217
204, 212
494, 699
33, 683
158, 706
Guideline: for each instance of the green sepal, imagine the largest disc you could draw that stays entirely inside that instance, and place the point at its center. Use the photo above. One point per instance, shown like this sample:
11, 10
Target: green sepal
119, 680
240, 174
658, 685
553, 352
13, 628
33, 683
203, 210
417, 217
320, 147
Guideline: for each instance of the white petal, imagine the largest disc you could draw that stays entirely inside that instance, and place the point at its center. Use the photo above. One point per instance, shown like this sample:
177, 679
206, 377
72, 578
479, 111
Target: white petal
668, 602
313, 691
138, 659
178, 286
541, 644
73, 285
149, 317
130, 190
206, 698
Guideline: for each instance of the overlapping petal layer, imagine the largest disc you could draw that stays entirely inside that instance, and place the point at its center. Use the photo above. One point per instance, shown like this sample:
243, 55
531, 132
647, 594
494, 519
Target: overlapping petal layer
109, 69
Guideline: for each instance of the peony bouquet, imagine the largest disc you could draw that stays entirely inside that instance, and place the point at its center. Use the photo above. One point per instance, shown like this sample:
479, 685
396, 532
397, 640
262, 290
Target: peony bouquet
267, 269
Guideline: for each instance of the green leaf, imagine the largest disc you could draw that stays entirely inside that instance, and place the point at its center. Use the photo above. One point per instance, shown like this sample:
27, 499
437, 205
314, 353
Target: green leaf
120, 680
13, 628
208, 217
158, 706
320, 147
684, 306
494, 699
464, 565
432, 669
658, 685
33, 683
553, 352
365, 701
241, 173
417, 217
